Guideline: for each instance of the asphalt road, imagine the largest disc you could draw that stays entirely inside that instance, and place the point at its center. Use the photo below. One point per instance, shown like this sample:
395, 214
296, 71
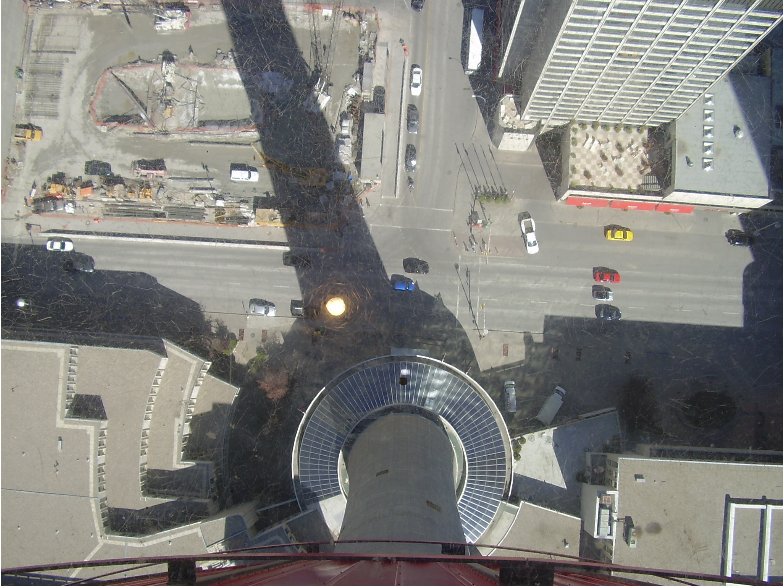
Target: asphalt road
679, 271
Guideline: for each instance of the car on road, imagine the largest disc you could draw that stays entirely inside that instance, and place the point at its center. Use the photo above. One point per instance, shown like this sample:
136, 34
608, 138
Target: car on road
297, 308
262, 307
80, 263
738, 238
601, 293
510, 396
243, 173
605, 274
618, 233
416, 80
412, 119
301, 260
607, 312
411, 160
59, 244
402, 283
418, 5
414, 265
528, 227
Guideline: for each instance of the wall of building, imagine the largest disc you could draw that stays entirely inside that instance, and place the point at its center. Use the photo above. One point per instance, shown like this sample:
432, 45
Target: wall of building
552, 18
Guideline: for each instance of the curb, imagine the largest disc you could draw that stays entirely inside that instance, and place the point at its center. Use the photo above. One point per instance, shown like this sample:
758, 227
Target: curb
136, 237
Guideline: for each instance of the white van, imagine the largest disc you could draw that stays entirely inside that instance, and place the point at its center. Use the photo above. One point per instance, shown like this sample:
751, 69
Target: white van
243, 173
551, 406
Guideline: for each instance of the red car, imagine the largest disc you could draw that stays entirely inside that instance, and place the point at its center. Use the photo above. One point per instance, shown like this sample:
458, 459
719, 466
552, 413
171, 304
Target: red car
605, 274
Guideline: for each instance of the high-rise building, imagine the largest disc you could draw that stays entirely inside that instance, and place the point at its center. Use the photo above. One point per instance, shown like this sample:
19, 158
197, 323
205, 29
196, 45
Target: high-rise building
636, 62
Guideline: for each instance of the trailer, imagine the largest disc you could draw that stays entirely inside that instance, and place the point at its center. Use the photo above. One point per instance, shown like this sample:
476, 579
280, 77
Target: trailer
475, 37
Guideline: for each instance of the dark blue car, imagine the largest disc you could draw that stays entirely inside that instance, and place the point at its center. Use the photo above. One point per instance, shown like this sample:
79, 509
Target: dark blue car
402, 283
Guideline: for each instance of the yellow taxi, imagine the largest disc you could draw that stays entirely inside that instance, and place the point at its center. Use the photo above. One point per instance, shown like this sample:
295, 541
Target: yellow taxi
616, 233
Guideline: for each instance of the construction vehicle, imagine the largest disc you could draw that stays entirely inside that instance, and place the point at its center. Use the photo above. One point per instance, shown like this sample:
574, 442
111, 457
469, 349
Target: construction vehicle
28, 132
311, 177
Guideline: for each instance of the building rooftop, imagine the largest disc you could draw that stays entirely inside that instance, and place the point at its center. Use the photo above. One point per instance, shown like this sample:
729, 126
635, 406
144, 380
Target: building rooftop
610, 158
72, 435
550, 459
726, 137
680, 510
541, 529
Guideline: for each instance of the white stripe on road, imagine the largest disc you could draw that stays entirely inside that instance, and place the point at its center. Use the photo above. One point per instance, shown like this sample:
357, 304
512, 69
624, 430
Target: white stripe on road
409, 228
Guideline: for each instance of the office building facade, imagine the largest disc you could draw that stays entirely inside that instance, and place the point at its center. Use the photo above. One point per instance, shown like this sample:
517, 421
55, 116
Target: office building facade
636, 62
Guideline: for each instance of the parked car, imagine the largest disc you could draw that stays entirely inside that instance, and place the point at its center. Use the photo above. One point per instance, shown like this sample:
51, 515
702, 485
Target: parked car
551, 406
297, 259
297, 308
414, 265
59, 244
411, 160
402, 283
618, 233
412, 119
738, 238
80, 263
263, 307
605, 274
601, 293
510, 396
243, 173
528, 227
416, 80
607, 312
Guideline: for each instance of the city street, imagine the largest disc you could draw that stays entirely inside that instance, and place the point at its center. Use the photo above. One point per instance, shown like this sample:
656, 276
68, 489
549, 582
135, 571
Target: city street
685, 292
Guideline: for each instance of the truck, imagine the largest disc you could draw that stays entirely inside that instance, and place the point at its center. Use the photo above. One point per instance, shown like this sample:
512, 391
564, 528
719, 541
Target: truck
28, 132
475, 35
551, 406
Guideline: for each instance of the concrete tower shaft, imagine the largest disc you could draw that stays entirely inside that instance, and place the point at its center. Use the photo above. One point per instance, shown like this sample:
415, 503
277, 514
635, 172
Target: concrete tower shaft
402, 486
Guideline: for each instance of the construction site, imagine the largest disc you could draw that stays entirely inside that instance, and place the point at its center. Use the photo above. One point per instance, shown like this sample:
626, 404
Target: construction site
159, 129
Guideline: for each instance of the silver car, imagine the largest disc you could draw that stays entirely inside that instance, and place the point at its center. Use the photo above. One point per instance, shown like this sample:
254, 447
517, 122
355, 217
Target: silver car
510, 395
262, 307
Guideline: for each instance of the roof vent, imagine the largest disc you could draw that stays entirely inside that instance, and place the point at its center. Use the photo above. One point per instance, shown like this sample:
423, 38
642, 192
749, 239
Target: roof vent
738, 132
708, 99
689, 162
707, 149
707, 132
707, 164
707, 115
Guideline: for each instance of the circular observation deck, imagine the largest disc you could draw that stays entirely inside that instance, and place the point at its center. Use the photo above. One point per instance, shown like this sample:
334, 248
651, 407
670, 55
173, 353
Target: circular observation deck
382, 384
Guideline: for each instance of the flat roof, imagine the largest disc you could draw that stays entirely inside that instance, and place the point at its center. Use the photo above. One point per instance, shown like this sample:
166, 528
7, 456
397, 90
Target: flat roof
50, 495
372, 146
614, 158
678, 508
546, 473
541, 529
739, 165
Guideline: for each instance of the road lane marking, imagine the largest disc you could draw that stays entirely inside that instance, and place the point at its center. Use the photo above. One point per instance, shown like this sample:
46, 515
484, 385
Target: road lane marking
410, 228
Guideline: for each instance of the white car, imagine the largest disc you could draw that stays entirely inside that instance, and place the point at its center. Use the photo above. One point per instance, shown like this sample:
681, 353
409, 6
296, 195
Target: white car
59, 245
528, 227
416, 80
243, 173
